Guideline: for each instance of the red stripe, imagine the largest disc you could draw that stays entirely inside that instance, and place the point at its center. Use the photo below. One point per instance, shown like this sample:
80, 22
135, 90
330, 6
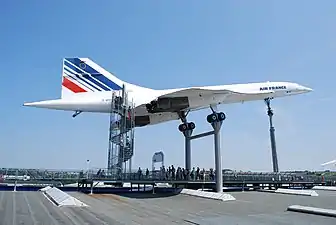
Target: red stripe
72, 86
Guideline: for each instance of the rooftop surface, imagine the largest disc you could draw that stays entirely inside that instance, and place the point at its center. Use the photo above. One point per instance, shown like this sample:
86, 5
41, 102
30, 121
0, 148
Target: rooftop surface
249, 208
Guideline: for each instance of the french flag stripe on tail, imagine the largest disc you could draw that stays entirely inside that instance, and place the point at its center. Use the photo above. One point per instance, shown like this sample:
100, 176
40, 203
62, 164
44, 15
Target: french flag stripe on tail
78, 78
82, 75
72, 86
84, 68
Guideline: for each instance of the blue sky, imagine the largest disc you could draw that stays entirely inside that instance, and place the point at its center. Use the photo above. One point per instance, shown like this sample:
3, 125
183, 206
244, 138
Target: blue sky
168, 44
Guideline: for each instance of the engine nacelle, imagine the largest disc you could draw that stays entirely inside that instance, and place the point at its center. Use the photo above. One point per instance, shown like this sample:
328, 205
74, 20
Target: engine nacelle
168, 104
141, 121
172, 103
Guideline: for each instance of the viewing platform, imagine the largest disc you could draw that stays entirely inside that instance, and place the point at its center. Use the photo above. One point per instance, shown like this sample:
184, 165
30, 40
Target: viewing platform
302, 179
229, 180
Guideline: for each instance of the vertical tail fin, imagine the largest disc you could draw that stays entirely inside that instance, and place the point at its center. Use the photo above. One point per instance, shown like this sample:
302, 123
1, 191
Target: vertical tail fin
82, 75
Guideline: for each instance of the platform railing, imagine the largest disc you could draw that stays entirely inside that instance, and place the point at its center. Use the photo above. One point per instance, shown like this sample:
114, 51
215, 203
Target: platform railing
100, 174
207, 177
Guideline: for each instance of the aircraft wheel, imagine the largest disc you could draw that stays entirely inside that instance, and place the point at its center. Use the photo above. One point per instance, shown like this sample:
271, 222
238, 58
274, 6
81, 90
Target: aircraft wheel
182, 127
221, 116
191, 126
209, 118
212, 118
148, 107
153, 102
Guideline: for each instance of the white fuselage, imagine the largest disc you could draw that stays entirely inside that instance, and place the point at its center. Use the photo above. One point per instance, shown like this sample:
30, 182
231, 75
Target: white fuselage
101, 102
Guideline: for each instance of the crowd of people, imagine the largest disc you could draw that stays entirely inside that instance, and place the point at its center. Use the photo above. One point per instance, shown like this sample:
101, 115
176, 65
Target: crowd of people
179, 173
197, 174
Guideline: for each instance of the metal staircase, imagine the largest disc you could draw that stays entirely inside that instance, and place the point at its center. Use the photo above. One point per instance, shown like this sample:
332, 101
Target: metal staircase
121, 133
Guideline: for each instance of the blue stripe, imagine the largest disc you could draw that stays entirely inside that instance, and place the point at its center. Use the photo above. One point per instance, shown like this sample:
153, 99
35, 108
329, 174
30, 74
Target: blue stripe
88, 77
74, 78
80, 78
73, 67
107, 82
78, 63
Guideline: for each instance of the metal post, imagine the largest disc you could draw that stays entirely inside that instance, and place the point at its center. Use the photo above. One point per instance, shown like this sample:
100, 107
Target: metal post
187, 135
272, 137
218, 156
130, 165
15, 186
88, 168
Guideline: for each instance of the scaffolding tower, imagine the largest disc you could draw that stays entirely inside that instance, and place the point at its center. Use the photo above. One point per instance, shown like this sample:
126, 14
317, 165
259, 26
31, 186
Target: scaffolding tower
121, 134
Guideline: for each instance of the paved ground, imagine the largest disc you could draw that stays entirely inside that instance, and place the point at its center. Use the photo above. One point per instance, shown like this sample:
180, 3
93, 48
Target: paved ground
250, 208
32, 208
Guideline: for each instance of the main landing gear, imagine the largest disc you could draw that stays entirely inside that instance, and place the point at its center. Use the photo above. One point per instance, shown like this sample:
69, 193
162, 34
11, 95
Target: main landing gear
215, 119
186, 126
187, 129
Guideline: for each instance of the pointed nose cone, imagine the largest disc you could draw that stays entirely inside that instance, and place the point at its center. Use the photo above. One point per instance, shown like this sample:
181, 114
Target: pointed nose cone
307, 89
28, 104
304, 89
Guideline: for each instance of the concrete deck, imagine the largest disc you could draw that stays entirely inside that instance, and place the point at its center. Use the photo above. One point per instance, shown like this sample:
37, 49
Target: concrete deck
32, 208
249, 208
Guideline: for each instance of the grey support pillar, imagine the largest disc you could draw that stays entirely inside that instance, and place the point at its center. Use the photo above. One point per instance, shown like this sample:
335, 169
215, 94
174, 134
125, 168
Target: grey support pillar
272, 137
130, 165
187, 134
218, 156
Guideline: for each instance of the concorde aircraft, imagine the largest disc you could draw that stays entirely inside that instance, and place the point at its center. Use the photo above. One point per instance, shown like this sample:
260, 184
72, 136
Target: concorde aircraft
87, 87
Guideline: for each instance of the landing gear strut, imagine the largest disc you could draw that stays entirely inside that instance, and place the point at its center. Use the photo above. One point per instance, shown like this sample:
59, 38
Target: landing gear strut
187, 130
76, 113
272, 135
215, 119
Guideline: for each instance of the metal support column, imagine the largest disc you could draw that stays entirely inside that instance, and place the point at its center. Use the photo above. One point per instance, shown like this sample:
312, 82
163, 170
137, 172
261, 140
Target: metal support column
218, 156
216, 121
130, 165
187, 134
272, 136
